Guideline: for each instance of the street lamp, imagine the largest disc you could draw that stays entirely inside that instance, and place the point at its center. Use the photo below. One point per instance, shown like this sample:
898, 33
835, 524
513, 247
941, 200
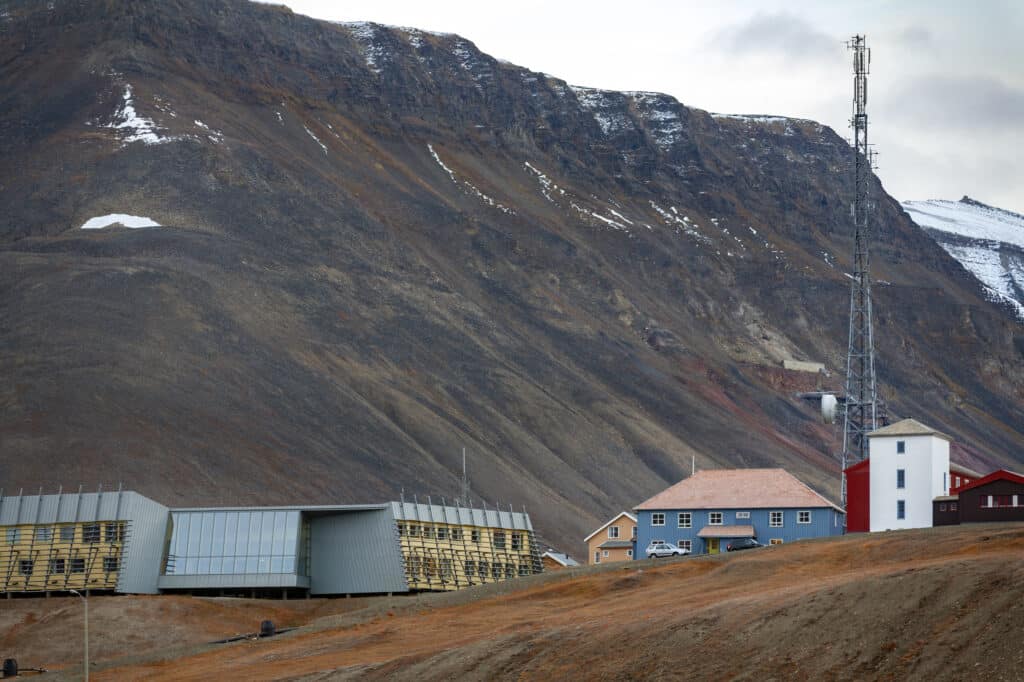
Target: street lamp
85, 601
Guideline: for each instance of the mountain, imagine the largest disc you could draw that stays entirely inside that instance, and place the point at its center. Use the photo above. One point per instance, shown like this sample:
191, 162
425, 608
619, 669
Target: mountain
378, 246
988, 241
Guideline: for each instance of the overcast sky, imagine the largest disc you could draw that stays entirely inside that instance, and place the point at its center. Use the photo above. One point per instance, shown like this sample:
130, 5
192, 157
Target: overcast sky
946, 90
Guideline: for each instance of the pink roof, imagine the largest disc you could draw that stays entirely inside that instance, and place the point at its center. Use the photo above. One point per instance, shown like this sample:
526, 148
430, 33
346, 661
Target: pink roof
737, 489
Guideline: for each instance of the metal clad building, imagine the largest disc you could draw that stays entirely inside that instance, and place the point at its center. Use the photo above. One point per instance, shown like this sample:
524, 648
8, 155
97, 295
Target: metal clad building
102, 540
124, 542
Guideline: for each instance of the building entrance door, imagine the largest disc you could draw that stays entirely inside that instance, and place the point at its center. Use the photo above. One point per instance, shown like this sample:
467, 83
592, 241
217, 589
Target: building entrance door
712, 545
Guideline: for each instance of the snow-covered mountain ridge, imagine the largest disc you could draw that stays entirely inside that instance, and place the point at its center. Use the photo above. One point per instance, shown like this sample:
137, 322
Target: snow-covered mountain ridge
988, 241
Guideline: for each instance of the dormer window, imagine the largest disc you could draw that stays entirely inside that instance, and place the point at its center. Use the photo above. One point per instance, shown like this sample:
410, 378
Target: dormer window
901, 447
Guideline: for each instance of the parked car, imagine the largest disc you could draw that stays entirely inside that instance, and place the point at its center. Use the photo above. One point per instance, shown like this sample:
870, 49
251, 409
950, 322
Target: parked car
658, 549
742, 543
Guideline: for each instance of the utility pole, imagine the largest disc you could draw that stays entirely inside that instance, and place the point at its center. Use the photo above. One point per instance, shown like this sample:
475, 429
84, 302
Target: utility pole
85, 601
861, 413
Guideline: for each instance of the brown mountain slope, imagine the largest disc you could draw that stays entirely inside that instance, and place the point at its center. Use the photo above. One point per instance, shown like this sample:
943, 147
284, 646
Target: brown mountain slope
939, 604
380, 246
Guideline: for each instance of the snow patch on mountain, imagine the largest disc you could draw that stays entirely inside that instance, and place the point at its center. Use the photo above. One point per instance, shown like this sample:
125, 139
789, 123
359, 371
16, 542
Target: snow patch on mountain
124, 219
136, 128
365, 34
988, 241
604, 106
317, 139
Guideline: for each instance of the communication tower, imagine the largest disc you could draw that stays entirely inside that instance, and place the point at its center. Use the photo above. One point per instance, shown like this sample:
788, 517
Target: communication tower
862, 410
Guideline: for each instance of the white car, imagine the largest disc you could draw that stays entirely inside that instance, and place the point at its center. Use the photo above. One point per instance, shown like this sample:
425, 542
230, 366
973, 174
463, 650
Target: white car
658, 549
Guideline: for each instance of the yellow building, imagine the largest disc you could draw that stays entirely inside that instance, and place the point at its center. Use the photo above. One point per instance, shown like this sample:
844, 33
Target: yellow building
449, 548
80, 541
65, 556
613, 541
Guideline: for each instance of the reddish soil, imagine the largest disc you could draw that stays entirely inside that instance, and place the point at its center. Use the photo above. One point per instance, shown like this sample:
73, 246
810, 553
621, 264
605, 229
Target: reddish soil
939, 604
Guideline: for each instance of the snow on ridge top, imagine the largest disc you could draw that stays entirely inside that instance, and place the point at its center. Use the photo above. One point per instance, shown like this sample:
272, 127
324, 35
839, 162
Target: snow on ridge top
124, 219
968, 219
365, 34
759, 118
603, 107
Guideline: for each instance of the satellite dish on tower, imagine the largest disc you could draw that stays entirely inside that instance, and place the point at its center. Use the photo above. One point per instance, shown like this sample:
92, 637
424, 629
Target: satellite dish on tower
828, 408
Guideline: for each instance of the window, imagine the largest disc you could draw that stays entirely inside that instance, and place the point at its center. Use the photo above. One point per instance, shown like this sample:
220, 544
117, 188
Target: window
942, 506
482, 568
78, 565
743, 515
685, 520
496, 570
12, 535
956, 481
657, 519
803, 517
110, 564
510, 571
456, 533
952, 506
604, 554
474, 535
597, 557
524, 568
442, 533
901, 447
629, 553
56, 566
26, 566
775, 519
517, 541
634, 532
901, 479
414, 530
401, 529
470, 567
901, 509
91, 532
44, 534
985, 501
775, 541
944, 486
428, 531
67, 533
446, 570
613, 531
499, 539
412, 568
685, 544
715, 518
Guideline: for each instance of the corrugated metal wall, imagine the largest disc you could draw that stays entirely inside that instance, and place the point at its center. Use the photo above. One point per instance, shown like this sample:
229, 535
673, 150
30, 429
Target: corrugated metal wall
355, 552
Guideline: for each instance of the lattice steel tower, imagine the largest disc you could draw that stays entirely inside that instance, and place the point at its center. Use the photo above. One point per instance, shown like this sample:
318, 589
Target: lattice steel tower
861, 413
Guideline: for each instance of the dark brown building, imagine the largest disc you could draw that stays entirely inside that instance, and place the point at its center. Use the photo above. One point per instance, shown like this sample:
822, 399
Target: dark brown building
996, 497
946, 510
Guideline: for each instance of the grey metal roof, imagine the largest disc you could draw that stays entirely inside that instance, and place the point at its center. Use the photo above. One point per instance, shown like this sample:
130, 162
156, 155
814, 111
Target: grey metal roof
460, 516
615, 544
302, 508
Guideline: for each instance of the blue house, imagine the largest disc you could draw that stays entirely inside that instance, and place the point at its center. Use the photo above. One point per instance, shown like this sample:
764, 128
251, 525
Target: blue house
705, 511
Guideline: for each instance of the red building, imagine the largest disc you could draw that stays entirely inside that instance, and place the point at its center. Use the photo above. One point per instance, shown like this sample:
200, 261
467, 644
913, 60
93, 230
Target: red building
996, 497
858, 492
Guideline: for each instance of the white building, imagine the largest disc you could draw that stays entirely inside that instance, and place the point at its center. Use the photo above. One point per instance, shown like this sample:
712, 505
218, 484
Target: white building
909, 469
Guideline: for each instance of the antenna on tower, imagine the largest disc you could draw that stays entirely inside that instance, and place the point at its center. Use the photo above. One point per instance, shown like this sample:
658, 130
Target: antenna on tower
465, 481
862, 407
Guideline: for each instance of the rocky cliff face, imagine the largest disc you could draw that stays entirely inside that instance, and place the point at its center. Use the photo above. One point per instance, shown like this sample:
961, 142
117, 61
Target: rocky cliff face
379, 245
